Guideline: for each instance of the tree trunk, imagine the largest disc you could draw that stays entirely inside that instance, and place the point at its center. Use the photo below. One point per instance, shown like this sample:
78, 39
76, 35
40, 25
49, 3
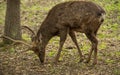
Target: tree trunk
12, 21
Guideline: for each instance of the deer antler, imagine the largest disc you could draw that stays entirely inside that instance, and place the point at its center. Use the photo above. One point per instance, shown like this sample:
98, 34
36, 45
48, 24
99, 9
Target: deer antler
16, 41
29, 29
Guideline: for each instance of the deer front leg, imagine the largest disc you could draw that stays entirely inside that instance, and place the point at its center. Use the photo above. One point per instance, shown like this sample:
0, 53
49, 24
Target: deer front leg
63, 35
73, 37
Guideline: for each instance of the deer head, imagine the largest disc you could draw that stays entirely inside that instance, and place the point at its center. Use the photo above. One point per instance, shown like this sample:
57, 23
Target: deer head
34, 45
35, 42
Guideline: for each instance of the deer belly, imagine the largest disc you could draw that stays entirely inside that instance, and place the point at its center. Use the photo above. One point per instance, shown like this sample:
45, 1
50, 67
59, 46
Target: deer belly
78, 30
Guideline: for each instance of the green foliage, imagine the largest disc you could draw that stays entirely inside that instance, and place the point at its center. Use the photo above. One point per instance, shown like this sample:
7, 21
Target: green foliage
55, 40
116, 71
2, 13
51, 53
109, 61
26, 37
101, 35
117, 53
12, 49
118, 37
102, 46
85, 47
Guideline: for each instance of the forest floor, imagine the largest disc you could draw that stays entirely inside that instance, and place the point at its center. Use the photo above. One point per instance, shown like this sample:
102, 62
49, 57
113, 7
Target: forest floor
14, 61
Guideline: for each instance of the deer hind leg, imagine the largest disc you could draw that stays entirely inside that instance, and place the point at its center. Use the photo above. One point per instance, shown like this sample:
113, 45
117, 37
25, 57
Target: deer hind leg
94, 41
63, 35
73, 37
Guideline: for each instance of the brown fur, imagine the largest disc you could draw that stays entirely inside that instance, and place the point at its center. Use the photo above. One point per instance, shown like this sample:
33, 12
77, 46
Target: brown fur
67, 18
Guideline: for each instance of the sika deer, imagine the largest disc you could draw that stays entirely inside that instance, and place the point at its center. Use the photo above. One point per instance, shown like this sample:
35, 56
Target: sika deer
67, 18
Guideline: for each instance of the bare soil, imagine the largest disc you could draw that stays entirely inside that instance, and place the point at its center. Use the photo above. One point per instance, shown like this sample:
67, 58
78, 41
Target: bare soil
15, 62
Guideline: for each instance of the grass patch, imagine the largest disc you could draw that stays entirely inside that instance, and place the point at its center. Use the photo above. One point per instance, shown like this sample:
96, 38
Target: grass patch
108, 61
26, 37
117, 53
116, 71
51, 53
102, 46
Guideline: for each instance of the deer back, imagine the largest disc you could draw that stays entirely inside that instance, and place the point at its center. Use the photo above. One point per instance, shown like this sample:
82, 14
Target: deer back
77, 15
